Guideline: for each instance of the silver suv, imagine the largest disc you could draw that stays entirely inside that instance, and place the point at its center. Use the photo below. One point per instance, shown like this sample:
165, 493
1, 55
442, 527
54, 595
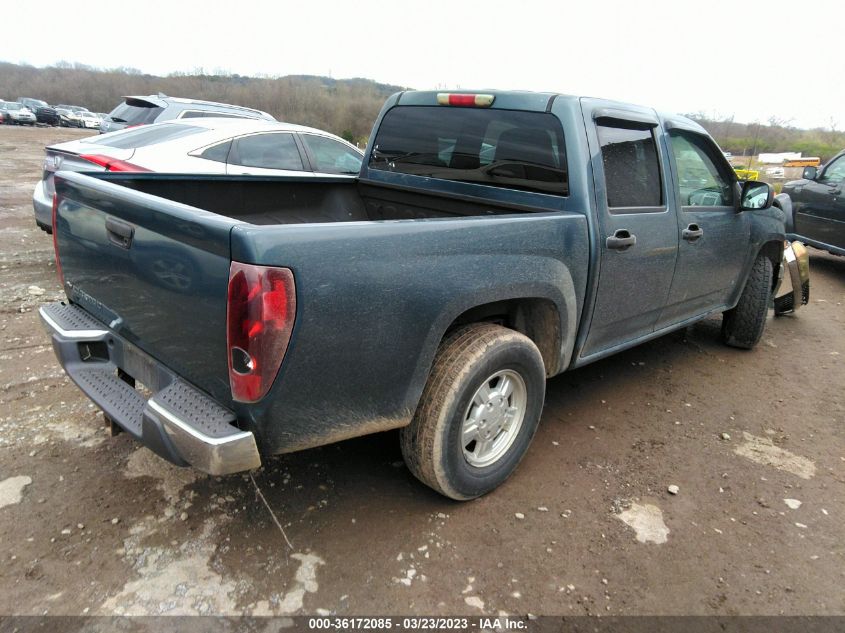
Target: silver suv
157, 108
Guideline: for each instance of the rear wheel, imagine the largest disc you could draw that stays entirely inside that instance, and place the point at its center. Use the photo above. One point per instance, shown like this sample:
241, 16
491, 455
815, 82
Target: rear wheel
743, 325
478, 412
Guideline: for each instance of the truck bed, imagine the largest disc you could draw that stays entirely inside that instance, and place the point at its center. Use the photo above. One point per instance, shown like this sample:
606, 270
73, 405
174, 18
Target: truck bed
271, 201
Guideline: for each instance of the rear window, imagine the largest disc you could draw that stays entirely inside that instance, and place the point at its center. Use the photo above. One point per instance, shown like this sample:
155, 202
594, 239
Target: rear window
149, 135
134, 112
501, 148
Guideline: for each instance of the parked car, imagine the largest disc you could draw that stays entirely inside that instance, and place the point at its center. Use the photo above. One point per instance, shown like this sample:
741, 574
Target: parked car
67, 118
47, 115
69, 115
32, 104
140, 110
89, 120
43, 112
434, 293
16, 114
816, 215
207, 145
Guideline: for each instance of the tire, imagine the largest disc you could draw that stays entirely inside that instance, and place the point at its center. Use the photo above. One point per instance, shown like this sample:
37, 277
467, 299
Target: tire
475, 364
743, 325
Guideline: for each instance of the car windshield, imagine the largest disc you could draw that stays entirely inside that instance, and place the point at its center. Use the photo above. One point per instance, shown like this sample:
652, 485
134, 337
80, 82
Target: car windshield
13, 106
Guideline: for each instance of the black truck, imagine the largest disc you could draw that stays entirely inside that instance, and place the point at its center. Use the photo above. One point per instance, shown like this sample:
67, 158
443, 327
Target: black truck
816, 215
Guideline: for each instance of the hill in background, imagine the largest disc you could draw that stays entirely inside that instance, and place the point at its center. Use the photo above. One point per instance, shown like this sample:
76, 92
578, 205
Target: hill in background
346, 107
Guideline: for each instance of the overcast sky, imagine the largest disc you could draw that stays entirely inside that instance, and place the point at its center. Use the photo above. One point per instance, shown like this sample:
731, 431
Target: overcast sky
751, 60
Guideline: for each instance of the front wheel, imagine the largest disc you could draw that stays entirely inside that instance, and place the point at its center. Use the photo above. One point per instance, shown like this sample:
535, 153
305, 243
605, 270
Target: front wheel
478, 412
743, 325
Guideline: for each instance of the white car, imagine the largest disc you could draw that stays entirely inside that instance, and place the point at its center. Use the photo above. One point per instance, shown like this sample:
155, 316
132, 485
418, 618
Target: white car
88, 120
201, 146
17, 114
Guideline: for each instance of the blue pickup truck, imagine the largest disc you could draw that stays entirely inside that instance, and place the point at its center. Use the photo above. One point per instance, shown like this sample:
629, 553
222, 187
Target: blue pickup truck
490, 241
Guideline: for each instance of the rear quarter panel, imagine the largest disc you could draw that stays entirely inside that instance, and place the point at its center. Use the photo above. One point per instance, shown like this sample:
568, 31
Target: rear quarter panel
374, 299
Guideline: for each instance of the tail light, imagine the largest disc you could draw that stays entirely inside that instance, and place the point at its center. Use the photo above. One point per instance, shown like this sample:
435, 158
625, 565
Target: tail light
56, 241
112, 164
259, 320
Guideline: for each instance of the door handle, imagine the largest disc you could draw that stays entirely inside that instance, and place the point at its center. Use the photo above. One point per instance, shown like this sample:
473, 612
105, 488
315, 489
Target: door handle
692, 233
621, 240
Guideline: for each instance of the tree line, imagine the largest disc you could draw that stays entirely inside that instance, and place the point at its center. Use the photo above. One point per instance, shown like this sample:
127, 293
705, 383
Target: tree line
346, 107
776, 135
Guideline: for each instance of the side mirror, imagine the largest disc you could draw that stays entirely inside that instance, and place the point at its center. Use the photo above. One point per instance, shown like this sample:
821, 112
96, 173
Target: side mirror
810, 173
756, 195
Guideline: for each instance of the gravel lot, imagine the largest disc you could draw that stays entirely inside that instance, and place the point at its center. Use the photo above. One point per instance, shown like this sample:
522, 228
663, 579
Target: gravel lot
754, 442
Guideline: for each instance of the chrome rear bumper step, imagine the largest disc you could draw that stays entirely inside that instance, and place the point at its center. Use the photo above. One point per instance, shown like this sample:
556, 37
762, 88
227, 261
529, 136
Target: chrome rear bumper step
178, 422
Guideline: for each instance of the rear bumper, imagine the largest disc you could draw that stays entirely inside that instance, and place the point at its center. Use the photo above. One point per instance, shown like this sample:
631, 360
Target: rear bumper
178, 422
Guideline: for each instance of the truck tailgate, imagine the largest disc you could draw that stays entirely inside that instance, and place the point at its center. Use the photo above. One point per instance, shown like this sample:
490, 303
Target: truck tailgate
153, 270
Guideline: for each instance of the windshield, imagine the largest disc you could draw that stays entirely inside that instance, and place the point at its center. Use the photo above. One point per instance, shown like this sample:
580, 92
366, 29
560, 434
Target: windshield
501, 148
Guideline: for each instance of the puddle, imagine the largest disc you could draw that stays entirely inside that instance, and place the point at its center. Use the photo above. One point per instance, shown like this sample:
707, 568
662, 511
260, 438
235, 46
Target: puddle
183, 579
171, 479
11, 490
647, 522
763, 451
173, 581
305, 581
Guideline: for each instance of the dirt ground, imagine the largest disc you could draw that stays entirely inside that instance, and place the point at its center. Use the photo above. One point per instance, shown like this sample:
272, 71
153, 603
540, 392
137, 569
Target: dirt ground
753, 440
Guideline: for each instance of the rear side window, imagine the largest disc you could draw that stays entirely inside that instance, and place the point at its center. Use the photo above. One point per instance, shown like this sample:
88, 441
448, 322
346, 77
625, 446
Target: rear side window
149, 135
501, 148
267, 151
135, 112
631, 165
332, 157
219, 152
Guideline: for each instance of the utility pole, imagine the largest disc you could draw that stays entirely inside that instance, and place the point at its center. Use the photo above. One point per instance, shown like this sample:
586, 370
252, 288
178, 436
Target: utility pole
754, 149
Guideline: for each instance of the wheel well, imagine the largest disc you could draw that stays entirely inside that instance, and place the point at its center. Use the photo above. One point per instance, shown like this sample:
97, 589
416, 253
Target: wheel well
538, 319
774, 251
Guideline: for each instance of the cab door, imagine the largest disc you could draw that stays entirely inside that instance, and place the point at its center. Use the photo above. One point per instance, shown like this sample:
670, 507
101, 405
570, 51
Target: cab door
714, 237
638, 236
820, 207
